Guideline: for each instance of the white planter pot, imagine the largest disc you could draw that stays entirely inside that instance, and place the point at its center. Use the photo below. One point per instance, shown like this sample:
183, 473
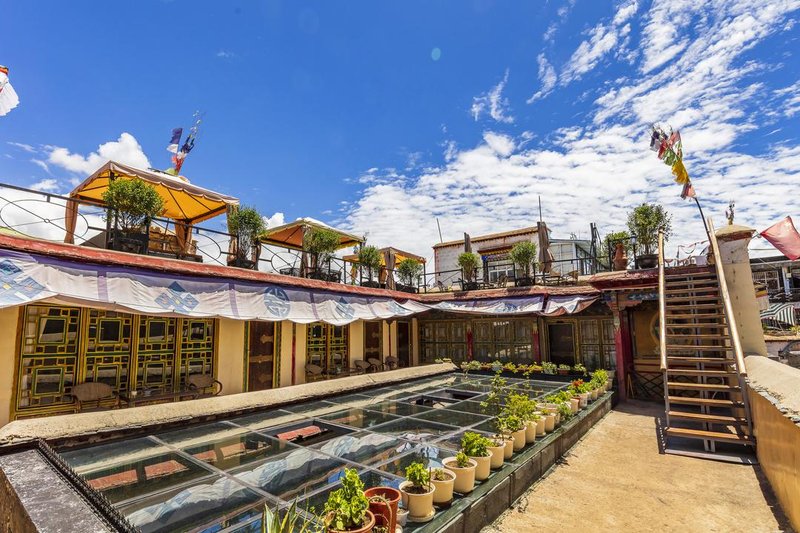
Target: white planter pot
575, 404
402, 516
595, 394
465, 477
530, 432
443, 489
420, 506
540, 426
509, 449
519, 439
549, 422
584, 396
498, 455
484, 467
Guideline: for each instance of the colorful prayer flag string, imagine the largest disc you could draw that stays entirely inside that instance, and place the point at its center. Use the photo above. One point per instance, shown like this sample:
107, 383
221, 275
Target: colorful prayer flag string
179, 154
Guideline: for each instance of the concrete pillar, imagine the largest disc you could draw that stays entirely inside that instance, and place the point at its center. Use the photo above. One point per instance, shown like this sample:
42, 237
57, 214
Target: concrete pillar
735, 258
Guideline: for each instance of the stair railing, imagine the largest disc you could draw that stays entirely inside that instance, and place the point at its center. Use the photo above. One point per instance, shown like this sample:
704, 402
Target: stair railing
662, 305
733, 329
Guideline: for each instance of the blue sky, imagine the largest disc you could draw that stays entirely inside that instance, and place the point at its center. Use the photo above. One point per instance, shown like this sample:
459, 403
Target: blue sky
381, 117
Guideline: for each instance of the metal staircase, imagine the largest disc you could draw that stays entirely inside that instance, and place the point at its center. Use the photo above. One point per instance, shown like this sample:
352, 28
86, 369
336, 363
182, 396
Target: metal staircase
706, 405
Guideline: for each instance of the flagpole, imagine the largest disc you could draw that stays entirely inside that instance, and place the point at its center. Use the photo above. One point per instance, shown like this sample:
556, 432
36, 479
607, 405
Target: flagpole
702, 216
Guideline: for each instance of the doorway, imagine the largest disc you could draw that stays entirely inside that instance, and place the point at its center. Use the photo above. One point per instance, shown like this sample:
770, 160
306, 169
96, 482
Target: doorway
562, 343
404, 344
261, 350
373, 337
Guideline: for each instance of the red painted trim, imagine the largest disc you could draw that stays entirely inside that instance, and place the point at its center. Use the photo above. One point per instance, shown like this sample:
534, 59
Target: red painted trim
294, 351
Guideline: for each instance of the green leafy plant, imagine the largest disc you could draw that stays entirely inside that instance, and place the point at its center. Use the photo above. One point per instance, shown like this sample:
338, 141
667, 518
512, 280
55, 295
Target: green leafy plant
563, 367
469, 262
491, 405
520, 406
439, 474
471, 365
246, 225
419, 476
475, 444
289, 521
369, 257
609, 244
645, 221
523, 254
513, 423
564, 410
549, 368
462, 461
133, 202
408, 270
321, 243
347, 507
579, 368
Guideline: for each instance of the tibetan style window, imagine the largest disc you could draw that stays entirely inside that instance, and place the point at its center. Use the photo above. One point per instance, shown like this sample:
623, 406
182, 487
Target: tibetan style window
62, 346
442, 339
503, 340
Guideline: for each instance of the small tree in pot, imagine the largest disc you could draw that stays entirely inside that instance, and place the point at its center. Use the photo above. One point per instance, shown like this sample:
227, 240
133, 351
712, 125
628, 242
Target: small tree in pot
469, 262
369, 258
132, 204
347, 508
246, 226
523, 254
320, 243
408, 271
418, 492
644, 222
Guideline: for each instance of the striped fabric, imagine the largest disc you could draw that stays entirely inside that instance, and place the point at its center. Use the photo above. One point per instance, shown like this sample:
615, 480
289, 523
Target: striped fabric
781, 313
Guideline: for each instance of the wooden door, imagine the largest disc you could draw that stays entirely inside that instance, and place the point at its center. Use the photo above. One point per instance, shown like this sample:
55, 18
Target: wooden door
373, 335
404, 343
561, 339
261, 351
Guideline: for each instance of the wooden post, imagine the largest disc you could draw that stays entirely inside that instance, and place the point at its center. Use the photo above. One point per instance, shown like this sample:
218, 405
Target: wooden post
622, 345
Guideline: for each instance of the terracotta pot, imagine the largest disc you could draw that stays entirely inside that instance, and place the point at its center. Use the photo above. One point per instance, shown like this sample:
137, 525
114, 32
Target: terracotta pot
369, 523
465, 477
484, 467
519, 439
509, 450
562, 372
575, 404
530, 432
420, 506
549, 422
390, 495
443, 489
498, 455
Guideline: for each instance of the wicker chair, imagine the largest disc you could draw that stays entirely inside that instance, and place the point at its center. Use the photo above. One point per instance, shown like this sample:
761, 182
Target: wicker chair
93, 393
203, 385
391, 362
361, 366
314, 373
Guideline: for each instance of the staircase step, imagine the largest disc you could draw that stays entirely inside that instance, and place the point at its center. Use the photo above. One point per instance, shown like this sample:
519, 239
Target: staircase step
695, 316
711, 402
689, 283
703, 386
704, 360
692, 277
699, 336
710, 435
696, 325
703, 417
692, 299
695, 372
697, 348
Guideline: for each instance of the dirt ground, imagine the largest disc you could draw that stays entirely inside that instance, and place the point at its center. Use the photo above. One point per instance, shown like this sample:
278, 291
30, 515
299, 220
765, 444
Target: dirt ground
616, 480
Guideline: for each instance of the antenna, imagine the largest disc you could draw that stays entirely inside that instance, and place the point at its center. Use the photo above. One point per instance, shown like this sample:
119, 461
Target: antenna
440, 230
540, 208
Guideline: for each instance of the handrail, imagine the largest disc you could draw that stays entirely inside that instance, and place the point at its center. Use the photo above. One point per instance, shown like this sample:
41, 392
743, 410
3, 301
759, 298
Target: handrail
662, 302
733, 329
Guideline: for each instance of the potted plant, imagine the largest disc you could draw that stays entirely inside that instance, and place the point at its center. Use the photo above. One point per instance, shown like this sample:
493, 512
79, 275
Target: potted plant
523, 254
442, 481
408, 270
515, 428
464, 469
498, 450
469, 262
418, 493
476, 447
320, 244
131, 205
579, 388
521, 406
347, 508
579, 369
644, 222
369, 259
548, 367
563, 370
384, 501
245, 226
288, 521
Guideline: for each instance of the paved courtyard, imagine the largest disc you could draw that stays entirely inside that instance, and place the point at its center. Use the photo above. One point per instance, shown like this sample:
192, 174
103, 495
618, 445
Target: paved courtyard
616, 480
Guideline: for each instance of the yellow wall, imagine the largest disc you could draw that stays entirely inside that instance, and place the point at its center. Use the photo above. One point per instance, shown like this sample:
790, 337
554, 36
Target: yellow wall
300, 355
356, 341
285, 355
9, 322
778, 449
645, 318
230, 355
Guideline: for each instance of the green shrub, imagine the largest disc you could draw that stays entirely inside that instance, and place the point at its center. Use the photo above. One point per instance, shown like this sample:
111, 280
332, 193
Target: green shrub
469, 262
408, 270
645, 221
369, 257
247, 225
321, 243
418, 475
475, 444
523, 254
462, 461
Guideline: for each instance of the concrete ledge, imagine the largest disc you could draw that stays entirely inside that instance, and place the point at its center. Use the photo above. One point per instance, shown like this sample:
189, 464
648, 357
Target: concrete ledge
778, 383
101, 424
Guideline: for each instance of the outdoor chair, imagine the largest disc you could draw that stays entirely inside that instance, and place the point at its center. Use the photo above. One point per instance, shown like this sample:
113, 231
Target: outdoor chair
203, 385
93, 393
375, 365
314, 373
391, 362
361, 366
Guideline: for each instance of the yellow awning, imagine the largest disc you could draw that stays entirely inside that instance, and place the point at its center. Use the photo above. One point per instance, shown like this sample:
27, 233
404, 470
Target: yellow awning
182, 200
291, 235
399, 255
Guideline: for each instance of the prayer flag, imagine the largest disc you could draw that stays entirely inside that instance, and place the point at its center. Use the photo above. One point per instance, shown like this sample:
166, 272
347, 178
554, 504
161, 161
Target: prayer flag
688, 191
175, 141
784, 237
681, 176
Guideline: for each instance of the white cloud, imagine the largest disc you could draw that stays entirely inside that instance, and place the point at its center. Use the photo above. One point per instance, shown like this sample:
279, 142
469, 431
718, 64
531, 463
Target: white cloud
225, 54
46, 185
595, 170
126, 150
275, 220
789, 99
41, 164
22, 146
547, 75
493, 103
